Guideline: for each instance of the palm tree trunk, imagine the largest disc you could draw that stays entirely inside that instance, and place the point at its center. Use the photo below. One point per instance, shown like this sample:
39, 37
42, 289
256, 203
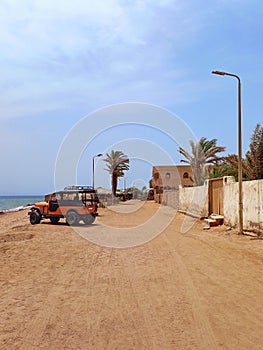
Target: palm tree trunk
114, 180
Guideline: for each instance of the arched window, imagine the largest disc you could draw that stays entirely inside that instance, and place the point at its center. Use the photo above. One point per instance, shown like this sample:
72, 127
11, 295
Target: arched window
167, 176
186, 175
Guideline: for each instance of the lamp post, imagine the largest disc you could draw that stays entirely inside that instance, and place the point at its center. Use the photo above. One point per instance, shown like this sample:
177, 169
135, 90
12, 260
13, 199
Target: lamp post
239, 148
97, 155
124, 182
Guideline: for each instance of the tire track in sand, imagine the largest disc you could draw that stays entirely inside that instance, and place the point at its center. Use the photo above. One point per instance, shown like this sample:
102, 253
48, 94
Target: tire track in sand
112, 314
204, 331
35, 330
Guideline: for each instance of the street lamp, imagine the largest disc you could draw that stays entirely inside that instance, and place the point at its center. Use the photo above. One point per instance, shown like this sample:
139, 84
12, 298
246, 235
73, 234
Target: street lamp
239, 148
97, 155
124, 182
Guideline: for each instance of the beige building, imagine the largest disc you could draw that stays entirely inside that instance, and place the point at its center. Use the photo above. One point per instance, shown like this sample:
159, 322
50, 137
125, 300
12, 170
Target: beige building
169, 177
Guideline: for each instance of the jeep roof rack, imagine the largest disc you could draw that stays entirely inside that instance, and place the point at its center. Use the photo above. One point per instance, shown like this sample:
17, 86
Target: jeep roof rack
79, 188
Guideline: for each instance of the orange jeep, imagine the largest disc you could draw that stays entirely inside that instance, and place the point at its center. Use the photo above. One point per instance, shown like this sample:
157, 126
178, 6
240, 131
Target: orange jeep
75, 203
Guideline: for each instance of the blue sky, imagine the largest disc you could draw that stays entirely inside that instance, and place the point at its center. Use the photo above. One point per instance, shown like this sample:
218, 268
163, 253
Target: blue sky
62, 60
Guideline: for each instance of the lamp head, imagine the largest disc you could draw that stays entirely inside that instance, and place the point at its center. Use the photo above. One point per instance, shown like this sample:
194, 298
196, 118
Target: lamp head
218, 72
97, 155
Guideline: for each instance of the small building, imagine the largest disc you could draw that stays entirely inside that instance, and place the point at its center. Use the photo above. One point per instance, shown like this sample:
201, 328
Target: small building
169, 177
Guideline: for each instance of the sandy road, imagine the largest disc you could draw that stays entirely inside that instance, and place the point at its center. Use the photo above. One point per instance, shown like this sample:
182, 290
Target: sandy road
200, 290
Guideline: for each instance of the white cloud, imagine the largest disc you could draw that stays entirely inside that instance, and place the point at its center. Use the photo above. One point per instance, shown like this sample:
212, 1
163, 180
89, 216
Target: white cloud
55, 49
52, 51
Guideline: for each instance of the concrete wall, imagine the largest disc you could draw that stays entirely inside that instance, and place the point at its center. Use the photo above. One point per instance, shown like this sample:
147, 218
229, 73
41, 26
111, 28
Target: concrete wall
171, 198
252, 204
194, 200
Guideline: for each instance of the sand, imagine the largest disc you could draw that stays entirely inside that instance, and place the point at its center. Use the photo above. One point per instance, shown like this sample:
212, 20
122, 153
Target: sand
200, 290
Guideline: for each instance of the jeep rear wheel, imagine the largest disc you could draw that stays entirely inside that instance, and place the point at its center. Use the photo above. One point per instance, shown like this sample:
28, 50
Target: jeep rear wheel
34, 217
54, 220
88, 219
72, 218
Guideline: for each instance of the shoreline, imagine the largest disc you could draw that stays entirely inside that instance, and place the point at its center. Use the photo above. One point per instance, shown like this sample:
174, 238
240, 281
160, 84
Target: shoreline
17, 203
15, 210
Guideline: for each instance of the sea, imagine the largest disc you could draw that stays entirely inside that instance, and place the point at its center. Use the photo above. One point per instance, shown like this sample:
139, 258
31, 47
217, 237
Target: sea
16, 203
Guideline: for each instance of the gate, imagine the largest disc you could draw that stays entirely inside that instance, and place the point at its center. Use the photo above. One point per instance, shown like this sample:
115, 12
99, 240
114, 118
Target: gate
216, 196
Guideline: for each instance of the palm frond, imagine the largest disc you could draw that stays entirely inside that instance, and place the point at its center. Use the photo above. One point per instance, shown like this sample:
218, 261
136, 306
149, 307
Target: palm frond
204, 152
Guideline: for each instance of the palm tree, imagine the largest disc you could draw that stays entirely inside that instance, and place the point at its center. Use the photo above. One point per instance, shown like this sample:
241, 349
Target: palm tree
203, 153
117, 163
223, 168
252, 165
254, 157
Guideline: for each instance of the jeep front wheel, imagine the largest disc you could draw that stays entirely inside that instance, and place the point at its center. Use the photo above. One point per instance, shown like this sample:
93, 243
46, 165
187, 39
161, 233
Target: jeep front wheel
34, 217
72, 218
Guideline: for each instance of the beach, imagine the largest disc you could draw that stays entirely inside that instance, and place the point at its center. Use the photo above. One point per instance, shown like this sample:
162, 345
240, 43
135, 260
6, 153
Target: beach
200, 290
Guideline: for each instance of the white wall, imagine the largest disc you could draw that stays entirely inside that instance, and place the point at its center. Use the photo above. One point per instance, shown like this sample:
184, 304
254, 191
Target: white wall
171, 198
194, 200
252, 204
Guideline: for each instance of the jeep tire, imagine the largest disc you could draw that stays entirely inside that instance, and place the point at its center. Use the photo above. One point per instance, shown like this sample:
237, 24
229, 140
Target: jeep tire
72, 218
88, 219
35, 217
